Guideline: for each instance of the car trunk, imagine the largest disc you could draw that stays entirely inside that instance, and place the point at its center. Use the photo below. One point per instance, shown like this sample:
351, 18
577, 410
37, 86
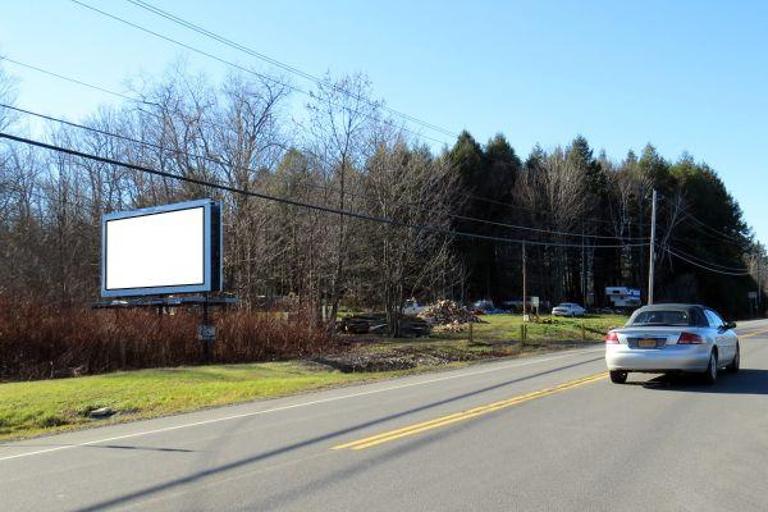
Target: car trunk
649, 337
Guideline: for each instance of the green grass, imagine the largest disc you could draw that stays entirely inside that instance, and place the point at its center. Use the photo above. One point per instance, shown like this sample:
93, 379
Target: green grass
550, 329
506, 328
31, 408
496, 336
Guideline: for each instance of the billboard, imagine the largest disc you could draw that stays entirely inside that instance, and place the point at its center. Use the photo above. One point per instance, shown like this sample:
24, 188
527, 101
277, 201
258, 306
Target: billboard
169, 249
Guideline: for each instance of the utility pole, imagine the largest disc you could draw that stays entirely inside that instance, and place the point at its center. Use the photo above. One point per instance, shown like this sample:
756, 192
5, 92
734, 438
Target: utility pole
583, 269
759, 282
652, 262
525, 291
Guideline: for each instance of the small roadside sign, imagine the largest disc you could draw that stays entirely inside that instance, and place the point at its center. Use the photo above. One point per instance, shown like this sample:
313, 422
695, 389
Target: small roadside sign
206, 333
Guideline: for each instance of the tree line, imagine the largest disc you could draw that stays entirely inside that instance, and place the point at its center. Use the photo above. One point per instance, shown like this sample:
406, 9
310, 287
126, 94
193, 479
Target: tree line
456, 217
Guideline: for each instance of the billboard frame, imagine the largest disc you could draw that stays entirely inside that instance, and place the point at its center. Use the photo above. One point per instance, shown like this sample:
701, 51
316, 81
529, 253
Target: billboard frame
213, 250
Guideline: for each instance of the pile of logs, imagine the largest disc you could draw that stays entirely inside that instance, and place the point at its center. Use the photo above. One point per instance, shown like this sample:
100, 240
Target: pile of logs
376, 323
444, 316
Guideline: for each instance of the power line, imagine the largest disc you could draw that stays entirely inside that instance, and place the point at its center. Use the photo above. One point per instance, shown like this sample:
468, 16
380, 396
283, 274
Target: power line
696, 247
545, 231
685, 258
707, 262
288, 201
707, 229
282, 65
222, 163
233, 64
70, 79
141, 101
713, 231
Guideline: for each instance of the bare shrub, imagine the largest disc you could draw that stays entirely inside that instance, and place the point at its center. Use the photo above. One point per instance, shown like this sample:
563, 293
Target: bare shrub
43, 341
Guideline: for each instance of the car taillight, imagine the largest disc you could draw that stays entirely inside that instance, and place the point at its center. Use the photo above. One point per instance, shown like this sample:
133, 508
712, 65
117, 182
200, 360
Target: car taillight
611, 337
689, 338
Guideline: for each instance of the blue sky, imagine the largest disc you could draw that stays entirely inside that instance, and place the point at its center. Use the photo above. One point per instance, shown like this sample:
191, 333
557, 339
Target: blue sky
685, 76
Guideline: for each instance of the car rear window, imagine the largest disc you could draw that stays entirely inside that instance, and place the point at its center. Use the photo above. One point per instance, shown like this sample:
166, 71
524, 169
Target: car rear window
661, 317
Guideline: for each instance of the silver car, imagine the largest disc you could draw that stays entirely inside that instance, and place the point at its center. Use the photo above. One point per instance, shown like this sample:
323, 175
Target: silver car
667, 338
568, 309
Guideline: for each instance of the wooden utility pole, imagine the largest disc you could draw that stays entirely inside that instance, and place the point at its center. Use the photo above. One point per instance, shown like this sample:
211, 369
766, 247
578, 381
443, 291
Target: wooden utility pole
583, 269
525, 291
652, 262
759, 283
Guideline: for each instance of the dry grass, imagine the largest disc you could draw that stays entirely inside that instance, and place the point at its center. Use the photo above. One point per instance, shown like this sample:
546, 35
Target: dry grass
45, 341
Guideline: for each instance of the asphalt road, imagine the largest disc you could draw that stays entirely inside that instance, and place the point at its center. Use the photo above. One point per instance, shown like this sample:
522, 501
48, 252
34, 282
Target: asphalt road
545, 433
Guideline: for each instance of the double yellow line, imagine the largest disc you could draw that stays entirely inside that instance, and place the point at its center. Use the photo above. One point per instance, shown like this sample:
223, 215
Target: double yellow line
450, 419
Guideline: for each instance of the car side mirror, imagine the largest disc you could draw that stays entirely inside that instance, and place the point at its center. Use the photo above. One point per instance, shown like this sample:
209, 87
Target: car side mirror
729, 325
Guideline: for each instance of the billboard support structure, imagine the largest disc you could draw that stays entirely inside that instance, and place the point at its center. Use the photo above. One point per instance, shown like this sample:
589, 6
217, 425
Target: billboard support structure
151, 255
206, 334
206, 330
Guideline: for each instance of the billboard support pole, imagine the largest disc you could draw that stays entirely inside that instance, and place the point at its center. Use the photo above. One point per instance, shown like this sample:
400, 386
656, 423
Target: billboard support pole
207, 338
206, 330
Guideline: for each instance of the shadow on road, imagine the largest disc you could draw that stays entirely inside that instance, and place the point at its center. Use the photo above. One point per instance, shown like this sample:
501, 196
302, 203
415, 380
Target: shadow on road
109, 447
128, 447
201, 474
748, 381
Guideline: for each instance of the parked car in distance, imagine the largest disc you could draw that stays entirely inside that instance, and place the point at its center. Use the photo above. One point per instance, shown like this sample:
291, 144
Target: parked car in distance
568, 309
665, 338
484, 306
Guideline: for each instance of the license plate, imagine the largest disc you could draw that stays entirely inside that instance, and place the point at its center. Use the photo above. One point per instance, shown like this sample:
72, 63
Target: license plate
649, 343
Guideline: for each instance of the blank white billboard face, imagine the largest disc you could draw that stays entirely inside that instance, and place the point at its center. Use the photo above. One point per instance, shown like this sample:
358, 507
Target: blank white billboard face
158, 250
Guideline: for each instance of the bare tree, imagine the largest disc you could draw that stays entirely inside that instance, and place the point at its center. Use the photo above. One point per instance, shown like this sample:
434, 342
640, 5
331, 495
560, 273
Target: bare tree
410, 187
555, 188
341, 119
230, 135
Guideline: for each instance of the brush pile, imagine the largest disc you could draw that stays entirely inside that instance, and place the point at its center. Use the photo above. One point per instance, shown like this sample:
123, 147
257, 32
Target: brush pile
447, 312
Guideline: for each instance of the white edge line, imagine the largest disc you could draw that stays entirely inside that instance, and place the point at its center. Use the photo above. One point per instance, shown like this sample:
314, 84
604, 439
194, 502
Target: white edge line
517, 364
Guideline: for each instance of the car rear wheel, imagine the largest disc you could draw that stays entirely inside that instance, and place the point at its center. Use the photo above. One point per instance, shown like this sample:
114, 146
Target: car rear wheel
710, 375
736, 363
618, 376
